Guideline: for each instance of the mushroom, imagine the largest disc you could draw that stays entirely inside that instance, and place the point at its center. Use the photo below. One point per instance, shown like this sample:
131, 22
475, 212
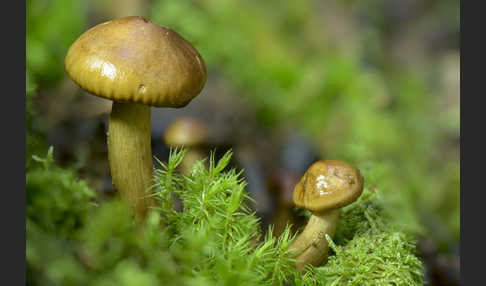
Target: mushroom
190, 133
137, 64
325, 187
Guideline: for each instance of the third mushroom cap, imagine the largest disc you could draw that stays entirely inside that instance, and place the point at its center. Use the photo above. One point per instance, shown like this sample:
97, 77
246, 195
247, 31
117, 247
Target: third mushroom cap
327, 185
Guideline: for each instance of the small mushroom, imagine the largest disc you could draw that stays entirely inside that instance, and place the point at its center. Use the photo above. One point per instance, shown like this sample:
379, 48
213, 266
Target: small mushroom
190, 133
137, 64
325, 187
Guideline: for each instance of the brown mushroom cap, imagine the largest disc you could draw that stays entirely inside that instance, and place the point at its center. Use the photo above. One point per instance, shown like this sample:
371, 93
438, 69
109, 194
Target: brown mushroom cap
328, 185
186, 132
135, 60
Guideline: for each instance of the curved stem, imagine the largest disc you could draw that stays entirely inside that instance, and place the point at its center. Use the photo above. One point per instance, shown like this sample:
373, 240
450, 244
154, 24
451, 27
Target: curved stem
130, 154
311, 246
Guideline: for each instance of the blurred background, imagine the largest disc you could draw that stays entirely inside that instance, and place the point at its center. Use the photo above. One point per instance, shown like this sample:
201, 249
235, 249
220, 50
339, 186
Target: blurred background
374, 83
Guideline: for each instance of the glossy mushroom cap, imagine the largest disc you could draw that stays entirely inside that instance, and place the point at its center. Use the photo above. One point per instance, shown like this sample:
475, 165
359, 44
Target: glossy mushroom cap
328, 185
186, 132
135, 60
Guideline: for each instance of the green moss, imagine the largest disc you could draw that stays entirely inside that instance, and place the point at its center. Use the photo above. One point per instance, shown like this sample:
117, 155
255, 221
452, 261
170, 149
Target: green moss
369, 249
218, 228
51, 27
34, 141
56, 200
374, 258
215, 240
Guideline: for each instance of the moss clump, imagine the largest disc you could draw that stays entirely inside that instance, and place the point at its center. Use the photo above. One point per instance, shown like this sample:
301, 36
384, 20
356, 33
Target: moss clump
220, 234
56, 200
57, 204
374, 258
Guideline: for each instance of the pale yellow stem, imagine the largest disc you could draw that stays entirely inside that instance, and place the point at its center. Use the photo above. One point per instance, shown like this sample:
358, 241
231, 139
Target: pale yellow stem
130, 154
190, 158
311, 246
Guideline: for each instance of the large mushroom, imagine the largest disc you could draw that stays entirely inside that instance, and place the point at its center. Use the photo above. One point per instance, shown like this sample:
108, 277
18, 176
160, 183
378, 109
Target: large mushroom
137, 64
325, 187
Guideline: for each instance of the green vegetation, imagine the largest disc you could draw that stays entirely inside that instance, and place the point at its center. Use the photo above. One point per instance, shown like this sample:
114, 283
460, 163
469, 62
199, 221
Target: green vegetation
34, 141
51, 27
215, 240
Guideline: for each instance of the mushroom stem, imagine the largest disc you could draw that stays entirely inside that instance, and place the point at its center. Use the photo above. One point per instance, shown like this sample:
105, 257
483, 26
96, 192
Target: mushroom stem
190, 158
130, 154
311, 246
